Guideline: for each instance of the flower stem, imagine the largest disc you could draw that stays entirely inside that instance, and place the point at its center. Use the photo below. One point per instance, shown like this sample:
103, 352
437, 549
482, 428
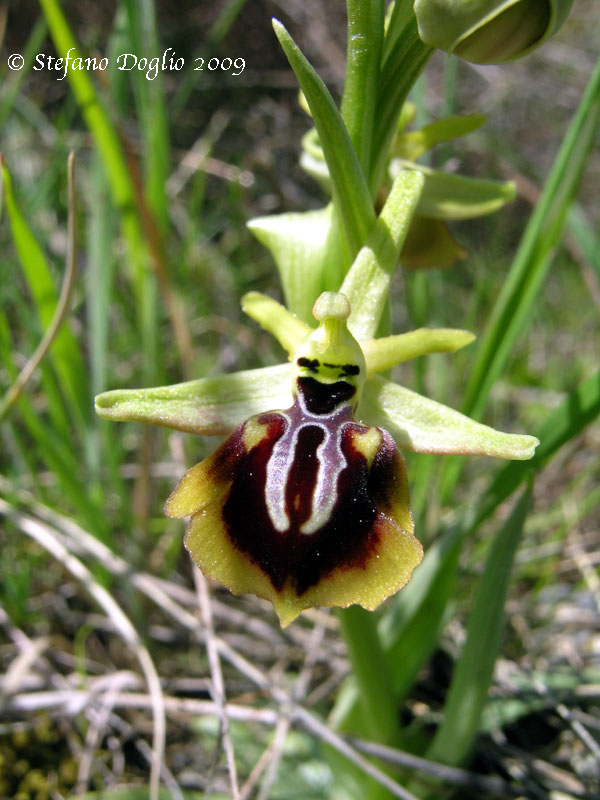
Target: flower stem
371, 673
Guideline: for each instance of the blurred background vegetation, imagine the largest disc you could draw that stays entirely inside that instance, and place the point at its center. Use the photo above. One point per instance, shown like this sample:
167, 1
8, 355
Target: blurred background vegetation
164, 256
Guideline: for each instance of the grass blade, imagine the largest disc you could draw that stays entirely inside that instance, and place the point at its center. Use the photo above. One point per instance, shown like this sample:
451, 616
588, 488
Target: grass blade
578, 409
473, 672
65, 353
512, 310
119, 177
12, 86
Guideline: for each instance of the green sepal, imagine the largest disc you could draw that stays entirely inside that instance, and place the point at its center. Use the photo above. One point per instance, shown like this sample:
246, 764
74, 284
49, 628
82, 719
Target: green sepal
286, 327
413, 144
457, 197
424, 426
381, 354
298, 243
208, 406
367, 282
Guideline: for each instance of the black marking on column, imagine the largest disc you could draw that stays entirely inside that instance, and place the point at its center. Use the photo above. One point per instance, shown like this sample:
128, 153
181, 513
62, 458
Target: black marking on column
311, 364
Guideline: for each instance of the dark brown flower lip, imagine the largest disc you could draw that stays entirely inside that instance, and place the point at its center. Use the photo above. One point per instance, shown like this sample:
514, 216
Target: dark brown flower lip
348, 538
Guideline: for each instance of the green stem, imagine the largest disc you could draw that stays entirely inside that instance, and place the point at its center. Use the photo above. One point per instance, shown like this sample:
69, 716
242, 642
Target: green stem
365, 38
403, 65
371, 673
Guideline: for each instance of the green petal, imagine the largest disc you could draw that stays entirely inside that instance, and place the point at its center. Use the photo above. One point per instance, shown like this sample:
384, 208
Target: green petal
413, 144
424, 426
297, 242
456, 197
276, 319
367, 283
207, 406
381, 354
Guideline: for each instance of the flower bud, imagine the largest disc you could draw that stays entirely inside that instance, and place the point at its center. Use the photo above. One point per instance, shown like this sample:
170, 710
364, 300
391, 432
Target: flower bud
489, 31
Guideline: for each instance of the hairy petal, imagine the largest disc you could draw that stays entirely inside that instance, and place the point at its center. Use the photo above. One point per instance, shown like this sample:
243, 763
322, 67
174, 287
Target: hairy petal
287, 328
424, 426
381, 354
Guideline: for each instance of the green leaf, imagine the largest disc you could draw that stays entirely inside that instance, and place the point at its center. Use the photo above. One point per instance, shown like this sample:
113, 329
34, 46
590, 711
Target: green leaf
586, 235
473, 672
119, 176
365, 38
413, 144
411, 630
154, 123
350, 191
405, 58
424, 426
456, 197
93, 111
208, 406
371, 673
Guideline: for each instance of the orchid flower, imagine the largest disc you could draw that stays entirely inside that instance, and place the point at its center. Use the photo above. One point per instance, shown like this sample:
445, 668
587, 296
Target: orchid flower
309, 505
307, 502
